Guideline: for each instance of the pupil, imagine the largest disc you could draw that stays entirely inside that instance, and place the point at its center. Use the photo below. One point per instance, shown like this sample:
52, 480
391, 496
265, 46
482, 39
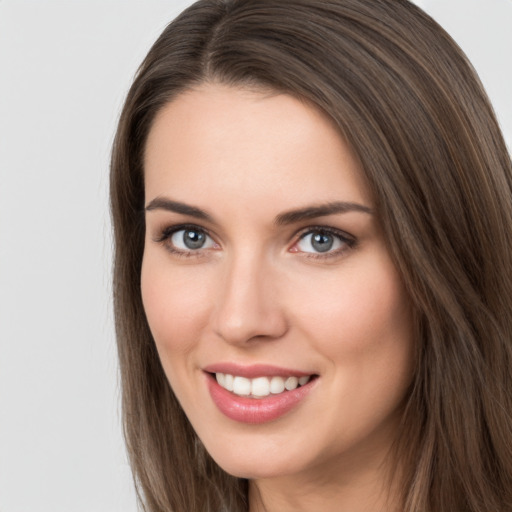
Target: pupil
193, 239
322, 242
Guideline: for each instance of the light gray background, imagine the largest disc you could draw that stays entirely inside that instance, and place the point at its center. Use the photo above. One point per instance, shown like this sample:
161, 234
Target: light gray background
65, 67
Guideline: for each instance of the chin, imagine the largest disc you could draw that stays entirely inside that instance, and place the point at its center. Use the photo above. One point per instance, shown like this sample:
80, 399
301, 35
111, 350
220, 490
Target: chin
255, 470
259, 460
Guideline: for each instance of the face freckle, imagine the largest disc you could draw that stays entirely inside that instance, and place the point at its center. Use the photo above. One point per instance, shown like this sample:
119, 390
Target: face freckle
263, 255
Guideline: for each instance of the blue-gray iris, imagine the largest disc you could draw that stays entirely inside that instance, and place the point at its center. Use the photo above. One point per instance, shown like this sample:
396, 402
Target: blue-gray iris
322, 242
193, 239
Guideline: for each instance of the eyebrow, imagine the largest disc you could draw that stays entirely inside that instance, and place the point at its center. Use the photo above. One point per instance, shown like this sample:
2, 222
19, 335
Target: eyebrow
285, 218
321, 210
161, 203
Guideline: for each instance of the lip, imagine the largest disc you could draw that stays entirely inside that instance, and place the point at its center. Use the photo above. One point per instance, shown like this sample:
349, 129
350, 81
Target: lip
255, 370
256, 410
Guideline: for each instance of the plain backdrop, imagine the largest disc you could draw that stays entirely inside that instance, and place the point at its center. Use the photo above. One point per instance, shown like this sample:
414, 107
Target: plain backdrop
65, 67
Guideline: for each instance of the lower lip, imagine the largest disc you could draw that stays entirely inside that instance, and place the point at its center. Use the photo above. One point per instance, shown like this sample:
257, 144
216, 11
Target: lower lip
256, 410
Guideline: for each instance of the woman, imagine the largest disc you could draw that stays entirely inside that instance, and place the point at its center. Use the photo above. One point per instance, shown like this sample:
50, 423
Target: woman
313, 219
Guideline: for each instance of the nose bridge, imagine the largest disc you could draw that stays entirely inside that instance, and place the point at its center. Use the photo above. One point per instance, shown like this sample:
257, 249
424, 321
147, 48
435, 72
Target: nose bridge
248, 305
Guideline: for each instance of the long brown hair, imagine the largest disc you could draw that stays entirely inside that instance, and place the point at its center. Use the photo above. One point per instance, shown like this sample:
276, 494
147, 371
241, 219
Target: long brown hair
412, 108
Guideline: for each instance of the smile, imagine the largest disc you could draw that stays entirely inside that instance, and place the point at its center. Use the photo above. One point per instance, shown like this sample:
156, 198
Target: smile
259, 393
260, 387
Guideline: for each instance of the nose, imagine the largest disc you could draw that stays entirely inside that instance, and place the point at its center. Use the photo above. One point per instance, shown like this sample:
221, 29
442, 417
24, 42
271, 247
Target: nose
249, 306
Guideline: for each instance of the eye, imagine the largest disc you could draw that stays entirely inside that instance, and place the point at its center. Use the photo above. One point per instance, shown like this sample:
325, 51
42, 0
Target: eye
190, 239
186, 240
320, 241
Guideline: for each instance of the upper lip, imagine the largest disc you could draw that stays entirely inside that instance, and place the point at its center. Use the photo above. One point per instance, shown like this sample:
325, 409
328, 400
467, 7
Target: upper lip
254, 370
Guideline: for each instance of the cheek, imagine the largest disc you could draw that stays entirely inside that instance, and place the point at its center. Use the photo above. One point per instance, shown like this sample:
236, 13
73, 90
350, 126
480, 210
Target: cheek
176, 305
363, 328
361, 320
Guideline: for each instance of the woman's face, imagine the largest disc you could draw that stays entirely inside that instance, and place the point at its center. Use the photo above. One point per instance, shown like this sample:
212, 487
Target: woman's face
264, 267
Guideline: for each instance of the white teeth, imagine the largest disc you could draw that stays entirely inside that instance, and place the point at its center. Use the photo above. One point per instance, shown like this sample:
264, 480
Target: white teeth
291, 383
221, 379
276, 385
304, 380
228, 382
260, 386
241, 386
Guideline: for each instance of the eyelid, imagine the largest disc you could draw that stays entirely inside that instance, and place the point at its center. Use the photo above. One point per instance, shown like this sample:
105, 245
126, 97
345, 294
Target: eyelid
166, 233
347, 239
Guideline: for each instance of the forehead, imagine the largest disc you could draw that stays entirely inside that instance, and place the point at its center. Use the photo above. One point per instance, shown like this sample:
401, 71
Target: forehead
237, 142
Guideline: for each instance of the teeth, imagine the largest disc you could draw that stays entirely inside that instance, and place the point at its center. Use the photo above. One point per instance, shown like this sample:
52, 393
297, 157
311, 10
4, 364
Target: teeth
304, 380
291, 383
277, 385
260, 386
228, 382
241, 386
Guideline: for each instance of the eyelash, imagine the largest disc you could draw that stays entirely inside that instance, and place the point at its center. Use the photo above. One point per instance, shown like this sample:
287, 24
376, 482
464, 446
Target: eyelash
348, 241
167, 233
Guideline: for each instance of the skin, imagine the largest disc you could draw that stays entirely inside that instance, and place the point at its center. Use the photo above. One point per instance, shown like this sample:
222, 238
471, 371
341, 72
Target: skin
260, 292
